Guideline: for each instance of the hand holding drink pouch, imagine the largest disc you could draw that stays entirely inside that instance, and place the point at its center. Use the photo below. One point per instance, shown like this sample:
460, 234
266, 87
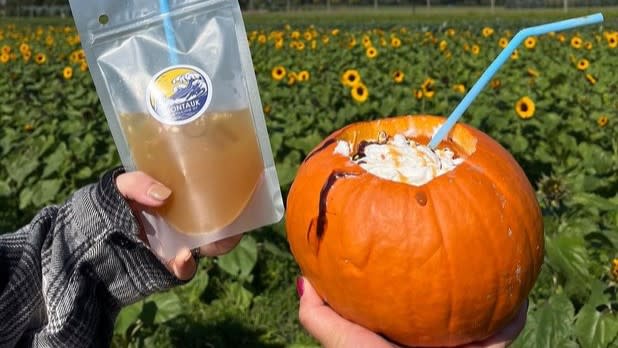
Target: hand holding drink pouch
180, 96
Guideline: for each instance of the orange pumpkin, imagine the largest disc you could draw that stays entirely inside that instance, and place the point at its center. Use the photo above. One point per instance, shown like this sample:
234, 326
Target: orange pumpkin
442, 264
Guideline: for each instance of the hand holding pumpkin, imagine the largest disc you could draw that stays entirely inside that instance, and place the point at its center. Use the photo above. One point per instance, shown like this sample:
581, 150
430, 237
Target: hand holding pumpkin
430, 248
333, 331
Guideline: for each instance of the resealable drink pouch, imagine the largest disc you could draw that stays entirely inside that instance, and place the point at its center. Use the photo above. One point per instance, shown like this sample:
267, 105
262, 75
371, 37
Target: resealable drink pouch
179, 92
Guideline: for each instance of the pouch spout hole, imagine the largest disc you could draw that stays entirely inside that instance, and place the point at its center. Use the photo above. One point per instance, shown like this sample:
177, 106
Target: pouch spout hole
103, 19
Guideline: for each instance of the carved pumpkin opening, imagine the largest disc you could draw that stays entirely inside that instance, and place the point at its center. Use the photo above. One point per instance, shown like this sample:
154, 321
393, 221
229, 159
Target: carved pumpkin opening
419, 129
398, 151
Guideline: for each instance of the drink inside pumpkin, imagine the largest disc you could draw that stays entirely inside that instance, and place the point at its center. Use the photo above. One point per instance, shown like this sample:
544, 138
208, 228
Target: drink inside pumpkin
401, 159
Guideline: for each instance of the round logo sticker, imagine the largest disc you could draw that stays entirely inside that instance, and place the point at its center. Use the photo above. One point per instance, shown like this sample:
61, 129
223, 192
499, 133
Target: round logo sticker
179, 94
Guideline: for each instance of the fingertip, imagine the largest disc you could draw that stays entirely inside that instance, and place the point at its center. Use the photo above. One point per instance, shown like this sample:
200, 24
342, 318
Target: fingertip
141, 188
184, 265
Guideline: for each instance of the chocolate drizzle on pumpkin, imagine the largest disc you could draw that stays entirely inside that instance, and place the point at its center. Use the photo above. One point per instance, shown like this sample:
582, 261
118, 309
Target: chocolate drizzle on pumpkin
321, 222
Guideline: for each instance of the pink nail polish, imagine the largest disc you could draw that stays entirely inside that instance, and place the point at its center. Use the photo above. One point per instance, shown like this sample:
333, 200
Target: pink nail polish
300, 286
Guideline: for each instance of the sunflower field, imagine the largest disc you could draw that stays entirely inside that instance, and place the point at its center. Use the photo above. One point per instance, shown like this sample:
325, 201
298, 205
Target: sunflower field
553, 105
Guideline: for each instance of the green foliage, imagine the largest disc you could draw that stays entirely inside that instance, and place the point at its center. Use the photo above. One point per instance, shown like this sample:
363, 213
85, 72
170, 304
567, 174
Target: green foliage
54, 139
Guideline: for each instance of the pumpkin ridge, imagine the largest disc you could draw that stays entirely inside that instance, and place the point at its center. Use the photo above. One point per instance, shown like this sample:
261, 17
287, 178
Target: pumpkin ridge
469, 194
438, 224
516, 207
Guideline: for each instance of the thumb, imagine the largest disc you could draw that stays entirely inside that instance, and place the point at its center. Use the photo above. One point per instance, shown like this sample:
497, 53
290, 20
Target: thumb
330, 328
139, 187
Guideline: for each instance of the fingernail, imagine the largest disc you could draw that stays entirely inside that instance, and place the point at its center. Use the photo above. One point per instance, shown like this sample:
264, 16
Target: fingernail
300, 286
159, 192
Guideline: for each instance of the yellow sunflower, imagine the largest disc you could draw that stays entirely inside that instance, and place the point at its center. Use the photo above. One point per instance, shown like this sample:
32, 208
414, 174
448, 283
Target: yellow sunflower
428, 88
530, 42
602, 121
525, 108
4, 58
300, 45
503, 42
443, 45
24, 48
334, 32
6, 49
352, 42
360, 93
588, 45
459, 88
303, 75
371, 52
561, 38
395, 42
367, 41
576, 42
583, 64
487, 32
67, 73
591, 79
292, 78
475, 49
350, 78
418, 94
515, 55
532, 72
83, 66
40, 58
278, 73
398, 76
261, 39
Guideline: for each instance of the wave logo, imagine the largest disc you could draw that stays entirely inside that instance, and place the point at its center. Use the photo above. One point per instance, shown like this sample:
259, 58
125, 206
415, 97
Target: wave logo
179, 94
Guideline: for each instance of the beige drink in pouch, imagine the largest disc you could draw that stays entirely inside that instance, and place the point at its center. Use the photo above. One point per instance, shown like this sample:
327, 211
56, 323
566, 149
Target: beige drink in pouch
178, 89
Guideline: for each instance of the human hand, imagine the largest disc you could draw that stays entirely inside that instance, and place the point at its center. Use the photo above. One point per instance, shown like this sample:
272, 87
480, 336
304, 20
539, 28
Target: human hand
333, 331
142, 192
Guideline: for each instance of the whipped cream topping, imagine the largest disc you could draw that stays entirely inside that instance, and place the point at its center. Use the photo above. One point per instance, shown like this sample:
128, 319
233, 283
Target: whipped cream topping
400, 159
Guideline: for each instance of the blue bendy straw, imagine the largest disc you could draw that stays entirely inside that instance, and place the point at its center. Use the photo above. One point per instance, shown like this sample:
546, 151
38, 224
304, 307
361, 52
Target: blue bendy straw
502, 57
164, 8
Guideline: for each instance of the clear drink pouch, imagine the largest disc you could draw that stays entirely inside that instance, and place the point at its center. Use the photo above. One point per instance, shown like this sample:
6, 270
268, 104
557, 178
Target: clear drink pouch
178, 89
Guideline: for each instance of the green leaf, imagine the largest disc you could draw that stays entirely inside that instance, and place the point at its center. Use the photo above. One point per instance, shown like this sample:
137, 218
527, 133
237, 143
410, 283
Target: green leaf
567, 255
595, 329
45, 191
5, 189
55, 161
597, 294
591, 200
240, 296
196, 287
21, 168
127, 316
25, 197
168, 305
554, 320
241, 260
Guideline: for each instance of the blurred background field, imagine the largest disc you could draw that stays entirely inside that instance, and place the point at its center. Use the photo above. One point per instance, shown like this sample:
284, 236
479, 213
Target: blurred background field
322, 65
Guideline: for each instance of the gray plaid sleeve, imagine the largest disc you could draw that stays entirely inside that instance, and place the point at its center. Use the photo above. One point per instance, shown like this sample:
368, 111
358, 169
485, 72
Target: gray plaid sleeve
65, 276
